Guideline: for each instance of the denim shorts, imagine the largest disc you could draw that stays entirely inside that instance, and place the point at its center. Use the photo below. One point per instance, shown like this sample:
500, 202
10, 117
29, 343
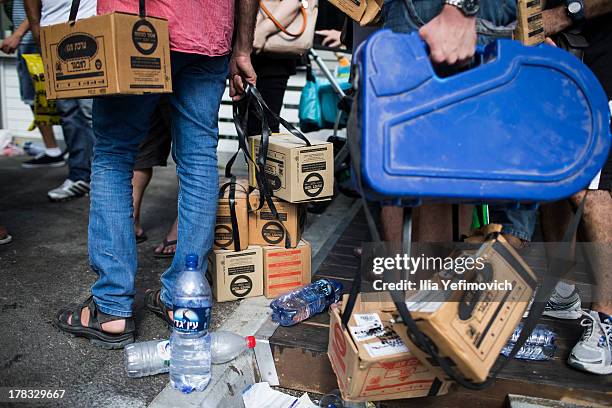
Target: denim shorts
26, 87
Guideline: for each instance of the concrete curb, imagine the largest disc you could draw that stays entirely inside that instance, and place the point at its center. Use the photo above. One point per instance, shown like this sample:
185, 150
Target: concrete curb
229, 380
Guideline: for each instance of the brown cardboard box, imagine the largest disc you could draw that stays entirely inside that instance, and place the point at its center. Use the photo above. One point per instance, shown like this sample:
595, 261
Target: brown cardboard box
529, 29
115, 53
473, 333
296, 172
365, 12
285, 269
265, 229
236, 275
224, 232
393, 372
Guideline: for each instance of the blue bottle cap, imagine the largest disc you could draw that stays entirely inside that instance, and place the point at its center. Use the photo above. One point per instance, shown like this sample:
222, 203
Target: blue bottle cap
191, 261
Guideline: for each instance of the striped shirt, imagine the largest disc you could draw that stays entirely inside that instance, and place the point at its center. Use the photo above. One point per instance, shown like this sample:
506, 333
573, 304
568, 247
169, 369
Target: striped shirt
18, 17
196, 26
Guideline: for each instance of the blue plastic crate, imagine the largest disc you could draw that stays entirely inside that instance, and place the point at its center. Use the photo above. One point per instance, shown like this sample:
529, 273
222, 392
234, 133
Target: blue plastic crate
527, 124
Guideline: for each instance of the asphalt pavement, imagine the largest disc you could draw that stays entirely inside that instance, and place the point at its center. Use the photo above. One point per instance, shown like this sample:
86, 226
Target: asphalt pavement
46, 267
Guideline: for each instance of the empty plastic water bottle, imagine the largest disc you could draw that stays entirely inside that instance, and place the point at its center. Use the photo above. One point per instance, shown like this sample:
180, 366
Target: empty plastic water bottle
540, 346
190, 357
299, 305
531, 352
541, 335
153, 357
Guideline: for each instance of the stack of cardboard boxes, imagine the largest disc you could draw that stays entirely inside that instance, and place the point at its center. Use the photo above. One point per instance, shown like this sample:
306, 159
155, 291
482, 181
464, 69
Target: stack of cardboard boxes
255, 251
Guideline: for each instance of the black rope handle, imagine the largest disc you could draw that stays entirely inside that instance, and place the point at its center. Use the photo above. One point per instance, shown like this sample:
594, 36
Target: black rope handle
232, 205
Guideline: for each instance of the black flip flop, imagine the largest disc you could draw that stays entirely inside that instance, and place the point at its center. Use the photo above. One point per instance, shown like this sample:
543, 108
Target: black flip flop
94, 332
141, 238
154, 304
165, 244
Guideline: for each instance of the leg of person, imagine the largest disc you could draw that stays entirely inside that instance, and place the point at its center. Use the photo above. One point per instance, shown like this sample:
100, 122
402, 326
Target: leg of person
140, 181
199, 82
105, 318
518, 224
79, 138
593, 352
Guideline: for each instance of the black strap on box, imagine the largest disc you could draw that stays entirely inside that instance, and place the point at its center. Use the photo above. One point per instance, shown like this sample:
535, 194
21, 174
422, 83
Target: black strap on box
240, 112
232, 205
74, 10
557, 268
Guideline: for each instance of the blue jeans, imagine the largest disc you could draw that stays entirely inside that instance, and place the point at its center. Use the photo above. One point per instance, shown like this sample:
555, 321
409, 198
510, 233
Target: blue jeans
26, 88
78, 135
120, 123
493, 21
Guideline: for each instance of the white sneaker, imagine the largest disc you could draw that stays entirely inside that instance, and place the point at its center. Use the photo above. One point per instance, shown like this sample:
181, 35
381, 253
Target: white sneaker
593, 352
568, 308
68, 190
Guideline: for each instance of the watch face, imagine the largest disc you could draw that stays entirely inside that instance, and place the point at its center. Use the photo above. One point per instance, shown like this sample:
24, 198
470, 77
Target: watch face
471, 6
574, 7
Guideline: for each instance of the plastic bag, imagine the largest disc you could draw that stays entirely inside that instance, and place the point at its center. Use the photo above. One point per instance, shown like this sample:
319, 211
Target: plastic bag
45, 112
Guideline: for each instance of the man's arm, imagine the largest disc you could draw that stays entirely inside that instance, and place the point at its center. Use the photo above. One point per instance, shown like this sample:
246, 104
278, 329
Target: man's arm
556, 19
10, 43
451, 36
33, 8
240, 63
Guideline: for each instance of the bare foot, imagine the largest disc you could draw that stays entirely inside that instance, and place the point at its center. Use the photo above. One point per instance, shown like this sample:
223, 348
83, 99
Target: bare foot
516, 242
115, 326
172, 235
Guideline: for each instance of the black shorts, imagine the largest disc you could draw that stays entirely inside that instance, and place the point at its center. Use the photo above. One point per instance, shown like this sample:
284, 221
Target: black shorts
155, 148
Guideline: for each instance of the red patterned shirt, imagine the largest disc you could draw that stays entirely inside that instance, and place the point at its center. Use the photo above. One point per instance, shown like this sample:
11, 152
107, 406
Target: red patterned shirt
196, 26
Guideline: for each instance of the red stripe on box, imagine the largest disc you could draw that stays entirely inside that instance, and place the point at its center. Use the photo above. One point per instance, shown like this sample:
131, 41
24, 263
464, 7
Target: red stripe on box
280, 275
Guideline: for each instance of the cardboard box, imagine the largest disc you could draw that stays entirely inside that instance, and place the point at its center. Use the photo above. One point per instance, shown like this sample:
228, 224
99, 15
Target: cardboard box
224, 230
365, 12
265, 229
529, 28
115, 53
296, 172
236, 275
286, 269
472, 327
380, 367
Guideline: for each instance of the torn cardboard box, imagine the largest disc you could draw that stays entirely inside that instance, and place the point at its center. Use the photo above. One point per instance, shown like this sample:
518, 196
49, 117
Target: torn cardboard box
236, 275
111, 54
286, 269
232, 223
296, 172
472, 326
266, 229
365, 12
371, 361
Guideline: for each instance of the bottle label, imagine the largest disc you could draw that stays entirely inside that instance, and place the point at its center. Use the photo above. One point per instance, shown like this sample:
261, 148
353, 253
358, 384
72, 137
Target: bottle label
191, 320
163, 351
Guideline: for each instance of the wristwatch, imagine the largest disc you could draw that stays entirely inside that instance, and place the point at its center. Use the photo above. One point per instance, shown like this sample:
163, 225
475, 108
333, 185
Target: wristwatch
575, 10
467, 7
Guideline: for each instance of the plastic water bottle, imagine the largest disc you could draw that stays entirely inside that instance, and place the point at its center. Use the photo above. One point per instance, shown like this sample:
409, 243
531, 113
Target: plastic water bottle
299, 305
190, 341
539, 346
541, 335
531, 352
153, 357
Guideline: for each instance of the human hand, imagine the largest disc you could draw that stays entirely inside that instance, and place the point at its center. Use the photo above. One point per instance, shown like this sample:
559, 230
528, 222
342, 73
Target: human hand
332, 38
451, 37
10, 43
241, 72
